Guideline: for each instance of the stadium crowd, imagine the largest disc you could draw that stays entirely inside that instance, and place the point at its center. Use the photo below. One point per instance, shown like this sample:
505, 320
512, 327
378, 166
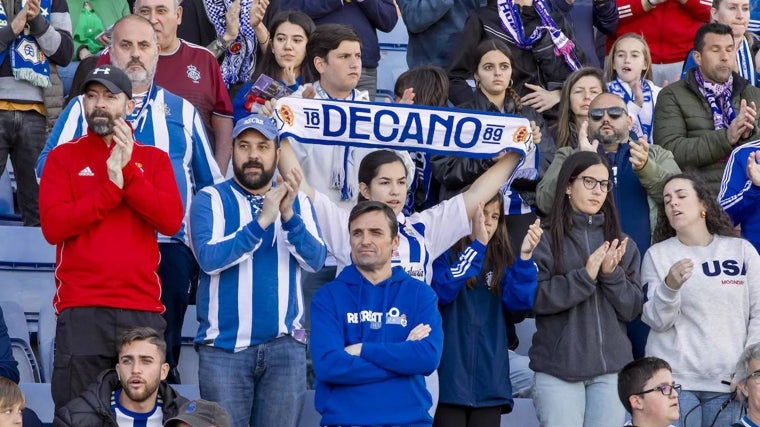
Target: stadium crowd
591, 165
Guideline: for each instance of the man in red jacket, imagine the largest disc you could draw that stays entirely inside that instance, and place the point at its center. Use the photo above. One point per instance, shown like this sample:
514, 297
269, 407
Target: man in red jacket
103, 197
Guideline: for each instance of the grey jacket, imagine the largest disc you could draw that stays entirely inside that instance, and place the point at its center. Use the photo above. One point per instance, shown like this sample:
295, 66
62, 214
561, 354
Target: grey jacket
580, 322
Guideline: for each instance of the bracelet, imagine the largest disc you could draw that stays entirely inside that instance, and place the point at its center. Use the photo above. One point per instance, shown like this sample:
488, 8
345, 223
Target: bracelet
267, 40
650, 4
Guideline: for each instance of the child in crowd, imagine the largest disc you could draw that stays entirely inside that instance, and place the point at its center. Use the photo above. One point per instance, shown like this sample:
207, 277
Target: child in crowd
628, 71
473, 297
11, 403
648, 392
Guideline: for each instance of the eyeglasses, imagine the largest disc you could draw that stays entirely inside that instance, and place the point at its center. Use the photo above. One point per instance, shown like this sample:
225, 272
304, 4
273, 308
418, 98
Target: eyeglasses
665, 389
755, 376
597, 114
591, 183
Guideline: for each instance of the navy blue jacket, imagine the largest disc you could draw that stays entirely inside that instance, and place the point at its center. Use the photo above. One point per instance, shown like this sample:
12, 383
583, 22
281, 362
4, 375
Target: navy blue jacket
474, 368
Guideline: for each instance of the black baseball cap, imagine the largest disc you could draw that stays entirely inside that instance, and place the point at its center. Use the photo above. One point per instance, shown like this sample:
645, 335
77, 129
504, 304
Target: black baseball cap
114, 79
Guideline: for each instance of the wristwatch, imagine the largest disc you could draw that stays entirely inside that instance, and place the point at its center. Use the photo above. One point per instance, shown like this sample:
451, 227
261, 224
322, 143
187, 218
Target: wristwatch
220, 44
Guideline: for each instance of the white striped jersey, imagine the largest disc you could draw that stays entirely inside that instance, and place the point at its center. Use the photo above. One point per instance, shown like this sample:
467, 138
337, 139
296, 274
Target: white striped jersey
250, 286
126, 418
423, 236
166, 121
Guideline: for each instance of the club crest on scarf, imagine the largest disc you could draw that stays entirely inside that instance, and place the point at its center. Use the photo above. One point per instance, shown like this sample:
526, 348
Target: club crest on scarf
434, 130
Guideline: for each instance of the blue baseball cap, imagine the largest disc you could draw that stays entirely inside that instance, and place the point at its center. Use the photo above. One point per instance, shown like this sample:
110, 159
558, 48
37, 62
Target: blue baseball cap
265, 125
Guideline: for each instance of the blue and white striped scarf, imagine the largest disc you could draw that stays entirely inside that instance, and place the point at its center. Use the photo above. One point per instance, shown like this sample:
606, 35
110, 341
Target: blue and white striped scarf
240, 58
28, 62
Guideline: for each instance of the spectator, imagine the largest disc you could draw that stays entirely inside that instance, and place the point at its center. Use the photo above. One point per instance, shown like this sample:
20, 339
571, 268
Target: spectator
284, 60
190, 72
703, 117
747, 378
638, 167
252, 240
492, 67
91, 22
628, 75
11, 403
424, 235
370, 361
234, 31
168, 122
588, 287
334, 52
541, 41
638, 171
200, 413
434, 27
580, 88
703, 287
475, 371
648, 392
134, 393
423, 85
739, 189
591, 20
735, 14
34, 37
668, 26
365, 17
103, 197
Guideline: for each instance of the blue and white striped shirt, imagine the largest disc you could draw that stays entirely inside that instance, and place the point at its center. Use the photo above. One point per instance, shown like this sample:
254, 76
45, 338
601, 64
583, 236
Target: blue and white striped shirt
250, 285
166, 121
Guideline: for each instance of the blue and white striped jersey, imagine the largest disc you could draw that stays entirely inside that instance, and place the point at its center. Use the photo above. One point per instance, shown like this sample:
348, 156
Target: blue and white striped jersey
166, 121
250, 285
423, 236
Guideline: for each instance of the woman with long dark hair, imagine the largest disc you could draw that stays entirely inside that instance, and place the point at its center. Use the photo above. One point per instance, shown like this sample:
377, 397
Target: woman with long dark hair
588, 287
703, 301
283, 59
476, 282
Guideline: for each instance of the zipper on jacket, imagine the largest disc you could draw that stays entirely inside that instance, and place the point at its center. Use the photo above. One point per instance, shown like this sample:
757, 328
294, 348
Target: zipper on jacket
596, 306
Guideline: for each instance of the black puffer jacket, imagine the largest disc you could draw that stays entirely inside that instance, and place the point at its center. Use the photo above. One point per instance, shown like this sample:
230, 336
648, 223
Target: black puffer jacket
93, 407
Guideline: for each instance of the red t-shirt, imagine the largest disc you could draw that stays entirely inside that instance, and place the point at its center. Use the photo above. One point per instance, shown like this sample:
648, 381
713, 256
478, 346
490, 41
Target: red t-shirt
192, 73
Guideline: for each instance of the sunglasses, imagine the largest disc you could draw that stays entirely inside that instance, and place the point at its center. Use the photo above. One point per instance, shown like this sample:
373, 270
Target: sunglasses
597, 114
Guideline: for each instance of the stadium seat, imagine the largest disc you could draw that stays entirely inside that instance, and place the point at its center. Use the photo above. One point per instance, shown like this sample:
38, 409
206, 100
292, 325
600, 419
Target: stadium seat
525, 331
7, 211
392, 63
39, 399
27, 266
46, 339
189, 391
188, 357
18, 331
523, 415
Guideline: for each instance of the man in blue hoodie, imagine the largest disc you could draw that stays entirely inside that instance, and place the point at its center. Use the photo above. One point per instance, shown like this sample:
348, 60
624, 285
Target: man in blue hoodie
376, 332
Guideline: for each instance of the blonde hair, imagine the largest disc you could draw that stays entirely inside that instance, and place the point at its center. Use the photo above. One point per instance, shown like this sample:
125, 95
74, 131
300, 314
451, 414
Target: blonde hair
10, 394
609, 67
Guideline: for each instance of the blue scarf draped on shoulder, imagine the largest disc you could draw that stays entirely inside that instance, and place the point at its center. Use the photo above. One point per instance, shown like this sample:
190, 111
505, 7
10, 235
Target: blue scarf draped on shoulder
28, 62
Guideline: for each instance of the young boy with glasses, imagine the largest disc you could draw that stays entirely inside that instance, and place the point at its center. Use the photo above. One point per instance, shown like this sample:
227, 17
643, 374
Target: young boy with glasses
648, 393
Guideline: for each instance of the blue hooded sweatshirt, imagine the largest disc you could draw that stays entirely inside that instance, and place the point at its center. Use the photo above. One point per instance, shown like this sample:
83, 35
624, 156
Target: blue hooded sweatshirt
385, 385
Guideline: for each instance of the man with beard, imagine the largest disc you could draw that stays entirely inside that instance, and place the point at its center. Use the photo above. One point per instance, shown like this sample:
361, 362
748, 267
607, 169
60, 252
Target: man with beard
638, 170
172, 124
103, 198
252, 238
133, 394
